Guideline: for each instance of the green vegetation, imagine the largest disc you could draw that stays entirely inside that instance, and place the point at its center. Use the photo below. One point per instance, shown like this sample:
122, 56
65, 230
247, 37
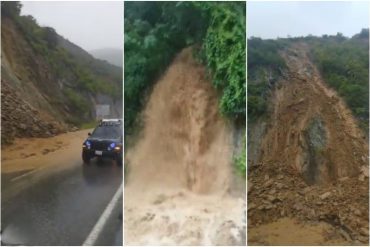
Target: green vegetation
10, 9
240, 160
44, 40
156, 31
344, 64
224, 50
80, 104
264, 67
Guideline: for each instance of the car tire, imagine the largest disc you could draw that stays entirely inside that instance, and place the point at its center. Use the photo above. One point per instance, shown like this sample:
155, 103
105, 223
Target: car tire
86, 158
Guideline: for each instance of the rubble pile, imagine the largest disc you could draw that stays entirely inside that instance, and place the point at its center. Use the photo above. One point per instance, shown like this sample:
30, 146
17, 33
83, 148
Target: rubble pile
277, 191
20, 119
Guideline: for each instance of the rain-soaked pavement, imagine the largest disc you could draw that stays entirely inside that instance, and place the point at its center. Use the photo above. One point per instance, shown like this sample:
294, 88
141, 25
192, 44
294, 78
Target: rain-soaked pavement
61, 205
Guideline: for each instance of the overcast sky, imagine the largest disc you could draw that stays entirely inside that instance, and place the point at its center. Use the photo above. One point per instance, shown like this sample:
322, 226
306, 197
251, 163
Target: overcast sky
279, 19
90, 25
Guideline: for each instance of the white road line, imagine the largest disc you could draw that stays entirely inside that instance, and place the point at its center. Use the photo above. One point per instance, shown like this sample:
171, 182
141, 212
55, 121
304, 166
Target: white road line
94, 234
26, 174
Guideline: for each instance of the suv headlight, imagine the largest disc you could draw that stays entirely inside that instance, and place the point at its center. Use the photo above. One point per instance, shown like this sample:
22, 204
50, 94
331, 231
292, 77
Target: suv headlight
111, 146
87, 144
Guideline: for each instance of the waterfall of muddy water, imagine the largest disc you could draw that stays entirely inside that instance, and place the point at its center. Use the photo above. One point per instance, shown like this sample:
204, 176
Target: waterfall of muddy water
180, 170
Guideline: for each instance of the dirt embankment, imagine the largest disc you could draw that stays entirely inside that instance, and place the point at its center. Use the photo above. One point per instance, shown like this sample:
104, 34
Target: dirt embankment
313, 162
180, 177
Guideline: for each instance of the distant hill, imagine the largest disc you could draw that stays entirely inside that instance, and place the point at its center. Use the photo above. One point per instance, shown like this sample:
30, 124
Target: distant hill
111, 55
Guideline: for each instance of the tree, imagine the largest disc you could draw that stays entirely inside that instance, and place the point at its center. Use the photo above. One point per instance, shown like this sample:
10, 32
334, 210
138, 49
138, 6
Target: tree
50, 36
10, 8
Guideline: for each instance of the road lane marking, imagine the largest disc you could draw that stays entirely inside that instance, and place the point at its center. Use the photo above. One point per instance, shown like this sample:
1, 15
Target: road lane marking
94, 234
26, 174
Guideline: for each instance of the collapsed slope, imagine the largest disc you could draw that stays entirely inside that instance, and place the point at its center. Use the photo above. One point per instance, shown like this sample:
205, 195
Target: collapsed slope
19, 118
311, 128
313, 158
53, 76
180, 169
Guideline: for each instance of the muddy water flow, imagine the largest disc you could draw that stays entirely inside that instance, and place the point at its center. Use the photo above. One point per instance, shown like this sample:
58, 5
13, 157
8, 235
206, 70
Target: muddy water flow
179, 174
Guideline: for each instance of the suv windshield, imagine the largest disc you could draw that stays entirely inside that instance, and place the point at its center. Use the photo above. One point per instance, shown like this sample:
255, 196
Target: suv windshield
107, 132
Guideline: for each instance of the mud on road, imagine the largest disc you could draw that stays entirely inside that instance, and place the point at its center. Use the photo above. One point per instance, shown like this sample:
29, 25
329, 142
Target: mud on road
181, 187
33, 153
49, 197
313, 163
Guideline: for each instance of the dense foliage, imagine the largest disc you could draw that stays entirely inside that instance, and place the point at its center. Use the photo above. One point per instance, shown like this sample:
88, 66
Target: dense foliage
224, 50
156, 31
264, 67
344, 64
10, 9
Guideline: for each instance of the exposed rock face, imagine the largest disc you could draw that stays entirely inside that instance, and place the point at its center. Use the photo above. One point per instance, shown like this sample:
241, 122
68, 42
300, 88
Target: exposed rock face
315, 137
256, 132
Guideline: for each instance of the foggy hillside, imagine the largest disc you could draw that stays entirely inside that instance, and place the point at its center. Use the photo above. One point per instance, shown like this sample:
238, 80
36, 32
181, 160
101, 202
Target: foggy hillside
111, 55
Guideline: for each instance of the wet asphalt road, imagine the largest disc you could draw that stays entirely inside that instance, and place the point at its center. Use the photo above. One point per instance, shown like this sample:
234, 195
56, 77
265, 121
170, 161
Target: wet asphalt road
61, 205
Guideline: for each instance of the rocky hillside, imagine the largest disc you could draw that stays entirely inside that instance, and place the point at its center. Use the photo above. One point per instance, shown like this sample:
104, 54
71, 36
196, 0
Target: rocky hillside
49, 84
309, 157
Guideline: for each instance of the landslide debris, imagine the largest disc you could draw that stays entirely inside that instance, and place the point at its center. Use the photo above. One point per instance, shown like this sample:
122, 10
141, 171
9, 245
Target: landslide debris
313, 163
180, 181
20, 119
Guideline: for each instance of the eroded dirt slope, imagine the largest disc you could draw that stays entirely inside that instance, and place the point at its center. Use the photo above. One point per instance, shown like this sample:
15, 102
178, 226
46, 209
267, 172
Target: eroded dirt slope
180, 183
313, 162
